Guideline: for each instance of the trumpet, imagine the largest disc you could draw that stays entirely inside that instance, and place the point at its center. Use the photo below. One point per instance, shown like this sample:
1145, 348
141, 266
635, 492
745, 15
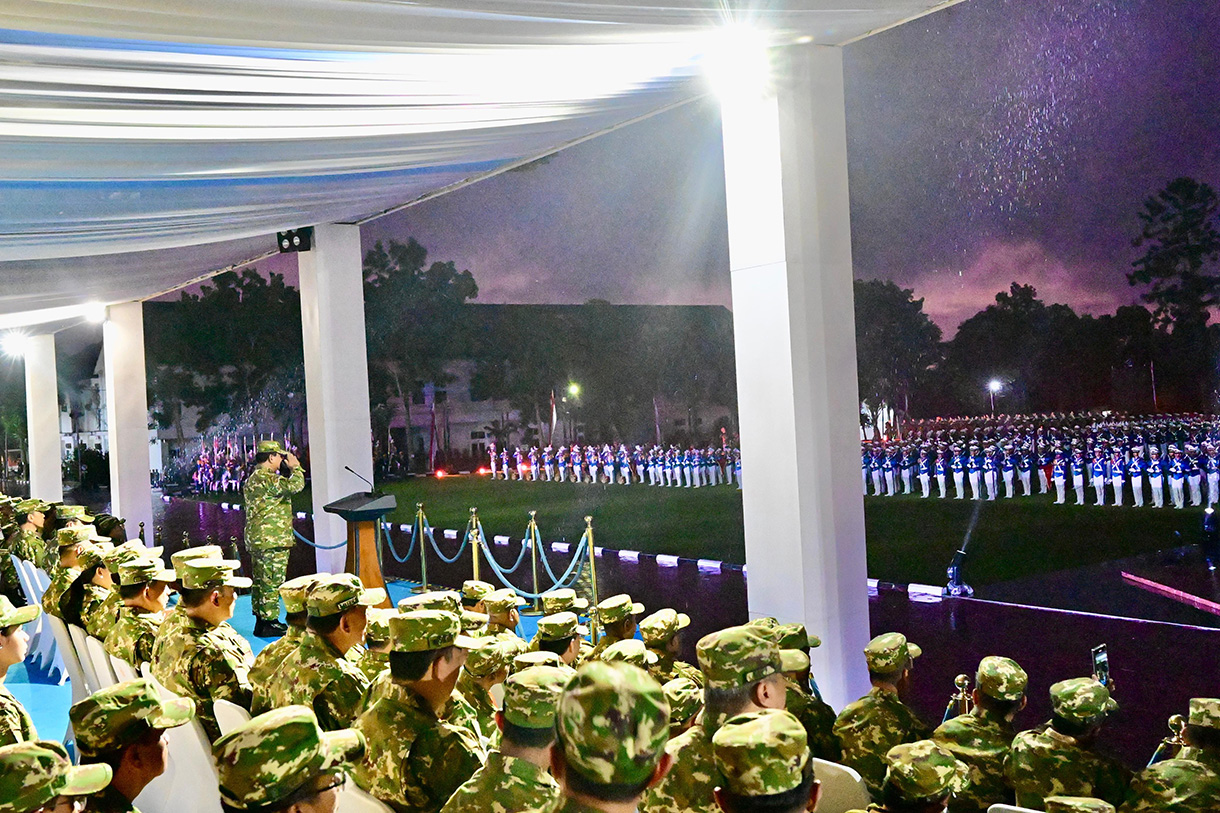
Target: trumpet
1171, 745
959, 701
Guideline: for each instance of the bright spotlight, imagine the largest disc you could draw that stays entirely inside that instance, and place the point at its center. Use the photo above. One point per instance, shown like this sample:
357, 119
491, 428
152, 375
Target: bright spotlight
14, 344
994, 385
573, 389
737, 61
95, 312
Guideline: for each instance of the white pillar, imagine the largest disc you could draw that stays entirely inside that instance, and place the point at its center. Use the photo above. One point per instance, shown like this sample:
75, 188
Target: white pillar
336, 378
127, 415
42, 419
785, 155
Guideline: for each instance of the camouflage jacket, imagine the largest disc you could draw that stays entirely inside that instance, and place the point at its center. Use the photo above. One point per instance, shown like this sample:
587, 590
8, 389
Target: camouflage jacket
1178, 785
30, 546
818, 718
91, 598
61, 580
595, 653
15, 724
176, 618
268, 503
480, 702
199, 661
273, 654
372, 663
415, 759
668, 667
1044, 763
982, 742
315, 674
133, 635
505, 785
100, 622
688, 785
870, 727
109, 800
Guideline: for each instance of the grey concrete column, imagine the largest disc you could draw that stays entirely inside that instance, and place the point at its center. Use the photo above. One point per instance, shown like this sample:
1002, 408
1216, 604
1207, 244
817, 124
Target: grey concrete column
127, 415
42, 419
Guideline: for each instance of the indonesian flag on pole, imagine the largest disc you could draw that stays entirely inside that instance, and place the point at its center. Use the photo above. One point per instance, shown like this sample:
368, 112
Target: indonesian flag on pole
554, 419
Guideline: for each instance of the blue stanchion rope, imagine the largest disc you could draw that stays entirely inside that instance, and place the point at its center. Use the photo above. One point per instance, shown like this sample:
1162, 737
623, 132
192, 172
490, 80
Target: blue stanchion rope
385, 530
297, 534
487, 550
572, 572
584, 538
456, 556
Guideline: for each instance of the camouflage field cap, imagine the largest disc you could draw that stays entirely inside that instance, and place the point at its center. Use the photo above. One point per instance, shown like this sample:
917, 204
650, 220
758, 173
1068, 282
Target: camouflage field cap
1001, 678
612, 723
130, 551
66, 537
11, 616
761, 753
923, 770
616, 608
630, 651
35, 773
890, 652
524, 660
202, 574
658, 628
795, 636
1204, 711
91, 554
143, 571
277, 753
475, 590
377, 630
1081, 700
293, 592
472, 621
73, 512
685, 698
118, 716
422, 630
531, 694
339, 592
1076, 804
198, 552
29, 506
269, 447
559, 626
489, 657
739, 656
501, 601
565, 598
765, 622
448, 600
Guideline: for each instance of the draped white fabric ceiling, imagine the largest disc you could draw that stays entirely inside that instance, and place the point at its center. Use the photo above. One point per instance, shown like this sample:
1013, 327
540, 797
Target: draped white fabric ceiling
130, 129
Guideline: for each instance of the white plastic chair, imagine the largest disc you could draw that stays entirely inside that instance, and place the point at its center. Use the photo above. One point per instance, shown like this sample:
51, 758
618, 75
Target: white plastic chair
78, 636
123, 670
189, 784
353, 800
998, 808
36, 628
101, 662
72, 667
229, 715
842, 787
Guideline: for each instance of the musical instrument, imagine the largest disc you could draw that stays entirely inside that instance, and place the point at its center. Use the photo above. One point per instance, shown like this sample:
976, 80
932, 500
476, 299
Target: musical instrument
959, 701
1171, 745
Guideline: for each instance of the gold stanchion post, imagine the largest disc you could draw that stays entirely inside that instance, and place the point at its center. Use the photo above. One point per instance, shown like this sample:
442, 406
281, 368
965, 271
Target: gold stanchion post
531, 538
142, 532
473, 534
422, 542
596, 622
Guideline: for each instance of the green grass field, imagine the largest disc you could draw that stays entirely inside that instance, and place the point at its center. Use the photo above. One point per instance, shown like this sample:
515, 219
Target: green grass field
909, 539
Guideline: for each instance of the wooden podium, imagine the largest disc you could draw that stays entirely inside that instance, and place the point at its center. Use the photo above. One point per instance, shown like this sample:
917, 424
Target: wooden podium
363, 512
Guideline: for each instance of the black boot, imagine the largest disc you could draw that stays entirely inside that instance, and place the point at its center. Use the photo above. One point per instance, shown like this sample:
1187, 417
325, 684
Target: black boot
268, 628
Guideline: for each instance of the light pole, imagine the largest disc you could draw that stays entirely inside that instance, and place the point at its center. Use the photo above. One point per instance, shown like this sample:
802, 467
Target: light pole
993, 386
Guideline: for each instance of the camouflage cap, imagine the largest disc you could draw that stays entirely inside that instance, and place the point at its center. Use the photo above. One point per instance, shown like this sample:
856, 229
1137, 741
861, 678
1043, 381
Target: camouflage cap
32, 774
501, 601
630, 651
559, 626
475, 590
11, 616
662, 625
531, 694
612, 722
685, 698
275, 754
1001, 678
890, 652
1076, 804
739, 656
269, 447
565, 598
118, 716
29, 506
765, 622
143, 571
130, 551
73, 512
339, 592
75, 535
616, 608
91, 554
1205, 712
924, 770
202, 574
472, 621
448, 600
198, 552
489, 657
293, 592
378, 627
1081, 700
761, 753
524, 660
423, 630
795, 636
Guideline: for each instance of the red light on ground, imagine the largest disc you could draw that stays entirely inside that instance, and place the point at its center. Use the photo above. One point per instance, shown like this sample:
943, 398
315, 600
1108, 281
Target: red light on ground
440, 473
482, 470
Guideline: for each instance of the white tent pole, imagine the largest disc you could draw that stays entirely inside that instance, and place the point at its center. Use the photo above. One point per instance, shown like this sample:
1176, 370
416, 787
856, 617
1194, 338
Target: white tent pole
42, 418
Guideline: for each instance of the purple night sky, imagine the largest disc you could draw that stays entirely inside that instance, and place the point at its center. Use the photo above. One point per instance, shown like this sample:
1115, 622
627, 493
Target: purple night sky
995, 141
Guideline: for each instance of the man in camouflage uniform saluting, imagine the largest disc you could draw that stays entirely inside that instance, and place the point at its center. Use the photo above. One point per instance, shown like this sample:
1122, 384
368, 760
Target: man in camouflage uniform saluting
763, 762
1191, 782
268, 502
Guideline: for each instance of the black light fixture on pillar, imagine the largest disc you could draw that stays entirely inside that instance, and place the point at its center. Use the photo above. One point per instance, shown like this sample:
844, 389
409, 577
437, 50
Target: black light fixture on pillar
295, 240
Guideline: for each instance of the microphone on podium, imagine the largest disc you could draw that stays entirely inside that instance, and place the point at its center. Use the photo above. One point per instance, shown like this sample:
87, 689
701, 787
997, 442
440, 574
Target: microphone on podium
372, 488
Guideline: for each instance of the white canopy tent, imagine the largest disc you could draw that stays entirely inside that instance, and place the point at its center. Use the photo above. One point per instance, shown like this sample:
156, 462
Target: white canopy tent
133, 129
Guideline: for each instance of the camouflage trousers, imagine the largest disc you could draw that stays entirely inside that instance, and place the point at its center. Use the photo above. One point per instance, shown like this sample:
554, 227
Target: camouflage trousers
269, 569
9, 585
